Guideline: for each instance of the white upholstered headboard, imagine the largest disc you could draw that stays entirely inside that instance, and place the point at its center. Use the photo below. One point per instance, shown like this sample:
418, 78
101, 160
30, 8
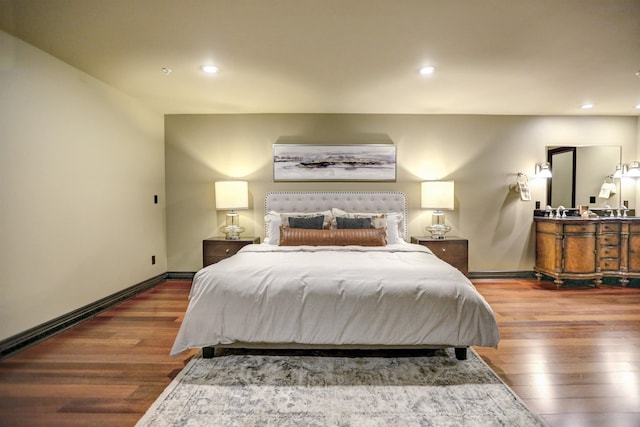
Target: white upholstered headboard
350, 201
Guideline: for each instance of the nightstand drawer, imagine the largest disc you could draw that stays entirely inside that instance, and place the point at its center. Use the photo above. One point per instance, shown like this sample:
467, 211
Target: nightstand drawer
452, 250
216, 249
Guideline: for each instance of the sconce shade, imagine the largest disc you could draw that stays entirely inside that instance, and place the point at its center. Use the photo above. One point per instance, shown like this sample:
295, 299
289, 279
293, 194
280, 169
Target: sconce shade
634, 169
232, 195
543, 170
437, 195
621, 170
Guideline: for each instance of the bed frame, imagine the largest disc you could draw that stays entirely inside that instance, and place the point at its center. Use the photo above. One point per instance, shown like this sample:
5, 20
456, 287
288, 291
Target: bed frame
350, 201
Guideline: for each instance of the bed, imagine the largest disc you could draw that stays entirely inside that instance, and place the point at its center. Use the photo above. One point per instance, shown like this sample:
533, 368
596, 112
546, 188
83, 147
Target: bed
311, 284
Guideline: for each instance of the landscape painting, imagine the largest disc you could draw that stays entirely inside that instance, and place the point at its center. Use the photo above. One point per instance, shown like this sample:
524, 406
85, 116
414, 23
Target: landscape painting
357, 162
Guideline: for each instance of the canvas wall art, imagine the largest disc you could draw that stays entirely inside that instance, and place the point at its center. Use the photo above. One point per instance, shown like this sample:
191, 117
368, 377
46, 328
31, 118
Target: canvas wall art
355, 162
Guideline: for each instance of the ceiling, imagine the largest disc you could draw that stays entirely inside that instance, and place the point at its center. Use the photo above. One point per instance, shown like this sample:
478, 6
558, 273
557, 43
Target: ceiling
349, 56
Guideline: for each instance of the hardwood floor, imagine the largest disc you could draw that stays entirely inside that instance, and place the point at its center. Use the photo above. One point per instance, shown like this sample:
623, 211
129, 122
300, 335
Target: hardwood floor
572, 355
106, 371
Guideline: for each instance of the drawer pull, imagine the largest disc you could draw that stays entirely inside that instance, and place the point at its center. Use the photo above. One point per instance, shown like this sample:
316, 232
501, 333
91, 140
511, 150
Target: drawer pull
444, 250
226, 251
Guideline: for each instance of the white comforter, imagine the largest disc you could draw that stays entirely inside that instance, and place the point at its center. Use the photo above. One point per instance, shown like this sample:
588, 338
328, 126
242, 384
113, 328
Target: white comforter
400, 295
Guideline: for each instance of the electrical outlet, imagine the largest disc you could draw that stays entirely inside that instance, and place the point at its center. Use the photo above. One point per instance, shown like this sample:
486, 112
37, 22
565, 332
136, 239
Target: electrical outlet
153, 259
537, 204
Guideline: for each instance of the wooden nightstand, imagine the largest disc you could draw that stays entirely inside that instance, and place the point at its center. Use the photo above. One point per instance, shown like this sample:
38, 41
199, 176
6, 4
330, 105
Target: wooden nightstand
453, 250
215, 249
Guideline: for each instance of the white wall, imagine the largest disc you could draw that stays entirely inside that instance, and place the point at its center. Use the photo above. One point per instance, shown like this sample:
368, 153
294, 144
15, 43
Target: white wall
482, 154
79, 165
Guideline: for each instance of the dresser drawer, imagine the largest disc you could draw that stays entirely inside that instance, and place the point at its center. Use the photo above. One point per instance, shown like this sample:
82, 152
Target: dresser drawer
610, 227
609, 264
609, 252
609, 239
580, 228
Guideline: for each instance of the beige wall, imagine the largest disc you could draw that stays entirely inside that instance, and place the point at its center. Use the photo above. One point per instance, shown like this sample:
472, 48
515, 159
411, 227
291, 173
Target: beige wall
481, 153
79, 165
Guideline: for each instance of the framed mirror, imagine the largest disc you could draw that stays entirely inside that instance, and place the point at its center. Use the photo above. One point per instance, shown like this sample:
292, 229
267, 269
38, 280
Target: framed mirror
578, 173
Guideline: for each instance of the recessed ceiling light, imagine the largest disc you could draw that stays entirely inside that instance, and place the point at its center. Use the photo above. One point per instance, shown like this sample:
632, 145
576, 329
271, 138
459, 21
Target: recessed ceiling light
638, 107
166, 70
211, 69
587, 106
425, 71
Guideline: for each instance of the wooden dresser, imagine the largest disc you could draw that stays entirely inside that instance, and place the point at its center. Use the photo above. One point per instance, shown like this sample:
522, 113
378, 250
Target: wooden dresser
587, 249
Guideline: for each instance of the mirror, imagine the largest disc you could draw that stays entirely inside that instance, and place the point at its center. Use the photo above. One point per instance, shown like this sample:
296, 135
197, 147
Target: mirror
578, 173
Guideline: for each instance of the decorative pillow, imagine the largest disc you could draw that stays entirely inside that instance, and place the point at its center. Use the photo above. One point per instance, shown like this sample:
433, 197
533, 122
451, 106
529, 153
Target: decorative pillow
377, 219
273, 221
344, 237
284, 217
390, 220
344, 222
312, 222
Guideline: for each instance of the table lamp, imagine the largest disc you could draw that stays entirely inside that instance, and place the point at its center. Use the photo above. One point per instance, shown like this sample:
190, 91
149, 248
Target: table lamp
437, 195
232, 195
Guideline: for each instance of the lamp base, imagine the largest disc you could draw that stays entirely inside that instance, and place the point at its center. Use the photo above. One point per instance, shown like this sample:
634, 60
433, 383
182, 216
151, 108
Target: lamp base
438, 231
232, 232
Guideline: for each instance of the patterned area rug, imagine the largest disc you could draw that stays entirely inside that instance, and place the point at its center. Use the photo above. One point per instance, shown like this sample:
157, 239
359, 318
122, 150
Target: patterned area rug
339, 388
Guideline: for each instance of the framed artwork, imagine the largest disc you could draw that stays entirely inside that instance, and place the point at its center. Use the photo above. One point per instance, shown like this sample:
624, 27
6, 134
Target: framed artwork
357, 162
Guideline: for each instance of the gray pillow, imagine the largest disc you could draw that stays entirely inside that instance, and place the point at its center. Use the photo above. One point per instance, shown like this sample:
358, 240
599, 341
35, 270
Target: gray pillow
311, 222
353, 223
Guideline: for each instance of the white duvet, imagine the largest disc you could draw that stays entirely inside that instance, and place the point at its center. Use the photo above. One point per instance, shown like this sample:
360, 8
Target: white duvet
398, 295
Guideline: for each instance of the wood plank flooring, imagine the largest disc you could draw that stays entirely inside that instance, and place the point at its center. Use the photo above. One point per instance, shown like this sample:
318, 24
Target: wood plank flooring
572, 355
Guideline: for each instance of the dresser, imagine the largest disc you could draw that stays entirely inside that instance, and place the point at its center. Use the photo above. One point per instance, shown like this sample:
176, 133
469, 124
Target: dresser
216, 249
452, 250
587, 249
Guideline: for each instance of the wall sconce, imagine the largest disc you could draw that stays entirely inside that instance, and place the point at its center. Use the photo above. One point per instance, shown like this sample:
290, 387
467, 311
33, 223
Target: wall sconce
231, 195
543, 170
438, 195
621, 170
633, 170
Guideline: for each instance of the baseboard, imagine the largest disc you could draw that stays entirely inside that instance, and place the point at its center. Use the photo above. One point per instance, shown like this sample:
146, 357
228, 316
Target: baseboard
45, 330
502, 275
181, 275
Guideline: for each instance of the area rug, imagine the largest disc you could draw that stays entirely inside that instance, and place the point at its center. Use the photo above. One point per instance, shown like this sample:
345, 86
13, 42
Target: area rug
344, 388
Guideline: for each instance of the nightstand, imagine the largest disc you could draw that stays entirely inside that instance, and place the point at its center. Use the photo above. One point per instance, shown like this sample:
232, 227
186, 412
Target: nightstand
215, 249
453, 250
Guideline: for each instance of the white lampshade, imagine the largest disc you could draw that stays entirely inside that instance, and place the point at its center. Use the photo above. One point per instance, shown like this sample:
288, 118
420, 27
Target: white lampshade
634, 169
232, 195
437, 195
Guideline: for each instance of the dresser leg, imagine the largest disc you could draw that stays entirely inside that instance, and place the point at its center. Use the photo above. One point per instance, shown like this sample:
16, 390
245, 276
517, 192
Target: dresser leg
559, 283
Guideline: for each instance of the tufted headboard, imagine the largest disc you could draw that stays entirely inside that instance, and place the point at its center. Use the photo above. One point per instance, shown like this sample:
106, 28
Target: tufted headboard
350, 201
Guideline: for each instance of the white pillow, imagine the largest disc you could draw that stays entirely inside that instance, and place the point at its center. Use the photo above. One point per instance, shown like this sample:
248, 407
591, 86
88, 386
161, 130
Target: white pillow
272, 228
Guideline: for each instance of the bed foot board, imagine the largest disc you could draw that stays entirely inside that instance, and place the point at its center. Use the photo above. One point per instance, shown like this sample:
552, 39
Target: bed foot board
208, 352
461, 353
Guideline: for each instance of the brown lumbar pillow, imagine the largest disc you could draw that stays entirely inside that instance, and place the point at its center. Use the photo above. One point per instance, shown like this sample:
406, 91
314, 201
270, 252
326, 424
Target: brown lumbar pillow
340, 237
